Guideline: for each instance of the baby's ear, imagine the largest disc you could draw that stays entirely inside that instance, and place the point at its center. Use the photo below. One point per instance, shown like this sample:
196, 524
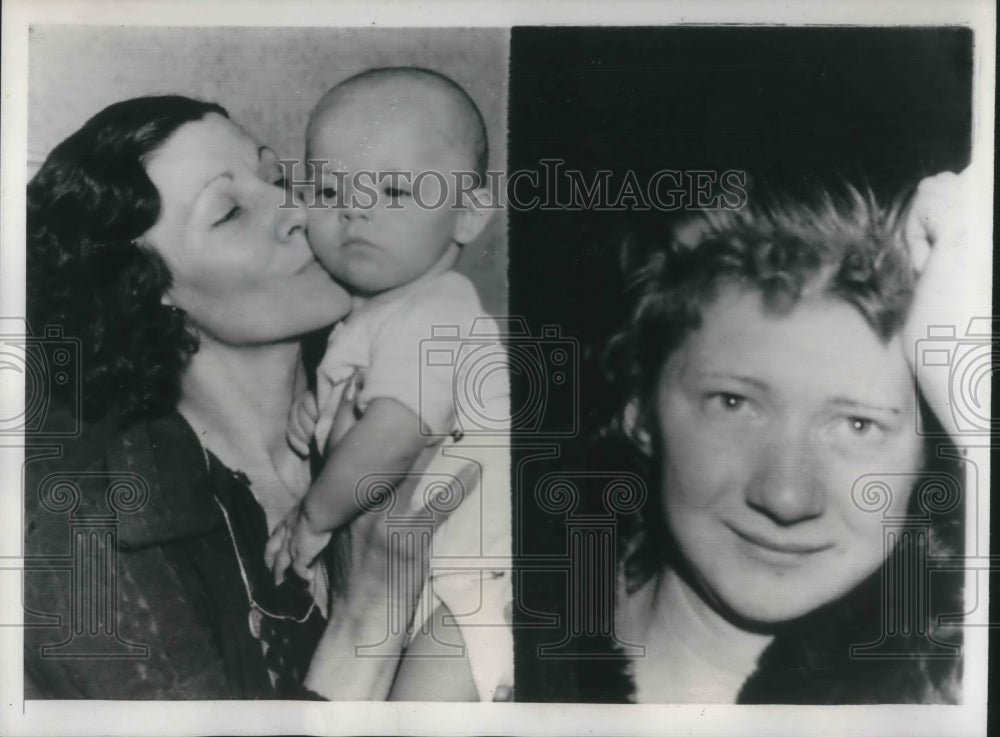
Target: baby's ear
476, 210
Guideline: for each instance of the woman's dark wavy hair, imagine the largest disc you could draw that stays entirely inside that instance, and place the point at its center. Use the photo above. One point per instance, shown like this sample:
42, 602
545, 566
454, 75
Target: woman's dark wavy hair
833, 241
87, 207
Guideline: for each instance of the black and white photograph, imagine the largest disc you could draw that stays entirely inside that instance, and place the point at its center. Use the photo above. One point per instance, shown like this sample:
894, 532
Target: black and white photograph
749, 226
250, 495
496, 368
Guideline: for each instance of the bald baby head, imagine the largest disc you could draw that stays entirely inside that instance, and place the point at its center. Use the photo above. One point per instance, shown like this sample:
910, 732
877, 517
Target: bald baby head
378, 98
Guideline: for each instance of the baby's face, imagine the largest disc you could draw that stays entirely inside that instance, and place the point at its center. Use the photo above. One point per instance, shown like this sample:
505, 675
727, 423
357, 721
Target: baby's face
384, 215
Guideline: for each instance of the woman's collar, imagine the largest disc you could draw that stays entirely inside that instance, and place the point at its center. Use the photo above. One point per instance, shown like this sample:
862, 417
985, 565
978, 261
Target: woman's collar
163, 461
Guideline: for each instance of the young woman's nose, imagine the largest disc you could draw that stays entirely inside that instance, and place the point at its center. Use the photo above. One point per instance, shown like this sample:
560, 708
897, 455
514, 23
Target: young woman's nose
291, 215
787, 485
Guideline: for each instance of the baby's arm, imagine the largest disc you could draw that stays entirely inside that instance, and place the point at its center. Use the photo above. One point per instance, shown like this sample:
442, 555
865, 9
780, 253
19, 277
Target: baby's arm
386, 440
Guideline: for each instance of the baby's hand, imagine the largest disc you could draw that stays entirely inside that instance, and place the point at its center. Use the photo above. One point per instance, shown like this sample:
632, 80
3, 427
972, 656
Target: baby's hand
302, 420
294, 543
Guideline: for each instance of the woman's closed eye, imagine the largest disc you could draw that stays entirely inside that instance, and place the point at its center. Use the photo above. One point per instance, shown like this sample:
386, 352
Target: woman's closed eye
396, 192
230, 215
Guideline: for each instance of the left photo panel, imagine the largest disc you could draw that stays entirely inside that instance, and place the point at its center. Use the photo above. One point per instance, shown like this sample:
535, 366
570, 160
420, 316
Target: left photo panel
266, 419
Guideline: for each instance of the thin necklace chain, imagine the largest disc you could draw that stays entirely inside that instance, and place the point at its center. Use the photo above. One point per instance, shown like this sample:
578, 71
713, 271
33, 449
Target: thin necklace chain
243, 572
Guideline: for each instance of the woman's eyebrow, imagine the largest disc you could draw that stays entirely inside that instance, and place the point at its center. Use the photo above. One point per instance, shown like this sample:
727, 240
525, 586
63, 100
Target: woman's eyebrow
757, 383
208, 185
860, 404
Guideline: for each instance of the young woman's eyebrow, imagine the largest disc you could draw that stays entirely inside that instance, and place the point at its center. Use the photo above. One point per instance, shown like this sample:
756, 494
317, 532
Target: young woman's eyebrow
849, 403
749, 381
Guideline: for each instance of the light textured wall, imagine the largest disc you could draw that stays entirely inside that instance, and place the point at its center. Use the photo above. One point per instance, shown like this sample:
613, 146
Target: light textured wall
268, 79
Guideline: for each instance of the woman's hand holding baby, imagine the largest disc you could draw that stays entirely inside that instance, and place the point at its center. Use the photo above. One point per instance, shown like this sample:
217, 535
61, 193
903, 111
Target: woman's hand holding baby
296, 543
302, 419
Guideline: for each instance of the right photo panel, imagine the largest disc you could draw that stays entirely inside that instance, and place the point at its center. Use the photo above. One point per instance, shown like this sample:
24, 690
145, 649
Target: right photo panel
745, 468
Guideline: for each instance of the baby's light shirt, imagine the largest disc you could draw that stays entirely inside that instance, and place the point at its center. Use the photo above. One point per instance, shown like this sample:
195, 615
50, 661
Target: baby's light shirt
388, 348
381, 351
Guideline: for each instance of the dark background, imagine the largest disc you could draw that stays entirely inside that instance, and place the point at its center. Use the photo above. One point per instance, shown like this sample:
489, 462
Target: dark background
880, 107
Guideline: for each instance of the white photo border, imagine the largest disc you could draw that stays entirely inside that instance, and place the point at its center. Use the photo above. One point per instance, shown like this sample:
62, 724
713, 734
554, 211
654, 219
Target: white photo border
162, 718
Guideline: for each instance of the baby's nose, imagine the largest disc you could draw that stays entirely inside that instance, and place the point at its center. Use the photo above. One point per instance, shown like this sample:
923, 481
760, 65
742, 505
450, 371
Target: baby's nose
354, 213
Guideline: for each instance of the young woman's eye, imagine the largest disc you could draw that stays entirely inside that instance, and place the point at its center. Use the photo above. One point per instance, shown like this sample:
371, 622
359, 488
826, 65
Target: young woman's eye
280, 182
232, 214
723, 404
328, 192
861, 425
860, 431
731, 402
395, 193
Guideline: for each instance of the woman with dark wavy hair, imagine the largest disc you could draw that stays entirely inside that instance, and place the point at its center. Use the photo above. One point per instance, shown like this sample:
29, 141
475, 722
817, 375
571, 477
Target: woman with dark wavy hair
161, 237
797, 486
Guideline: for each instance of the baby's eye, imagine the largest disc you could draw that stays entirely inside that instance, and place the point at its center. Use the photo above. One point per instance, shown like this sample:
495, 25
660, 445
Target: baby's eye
328, 195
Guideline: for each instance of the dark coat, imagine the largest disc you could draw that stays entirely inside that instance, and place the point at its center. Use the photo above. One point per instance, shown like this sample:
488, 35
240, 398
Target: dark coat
132, 585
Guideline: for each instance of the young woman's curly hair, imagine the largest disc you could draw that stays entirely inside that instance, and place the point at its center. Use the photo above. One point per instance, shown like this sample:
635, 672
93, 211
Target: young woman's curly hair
88, 206
837, 242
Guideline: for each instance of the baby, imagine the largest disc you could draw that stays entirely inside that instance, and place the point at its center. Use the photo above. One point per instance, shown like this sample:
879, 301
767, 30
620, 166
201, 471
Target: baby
392, 237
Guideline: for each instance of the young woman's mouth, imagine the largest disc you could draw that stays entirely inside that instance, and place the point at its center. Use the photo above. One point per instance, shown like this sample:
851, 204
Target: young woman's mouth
790, 549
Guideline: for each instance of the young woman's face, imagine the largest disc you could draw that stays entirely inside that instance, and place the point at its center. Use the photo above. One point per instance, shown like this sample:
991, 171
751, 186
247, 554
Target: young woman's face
767, 421
234, 243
